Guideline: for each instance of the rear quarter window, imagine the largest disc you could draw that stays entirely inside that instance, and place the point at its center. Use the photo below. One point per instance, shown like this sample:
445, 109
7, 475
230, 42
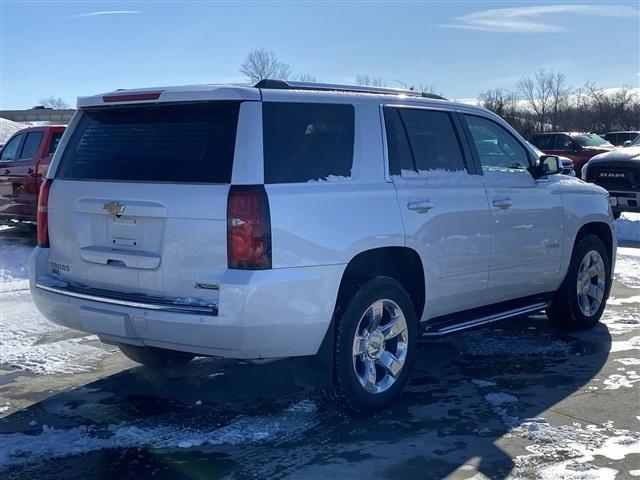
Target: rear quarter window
307, 141
189, 143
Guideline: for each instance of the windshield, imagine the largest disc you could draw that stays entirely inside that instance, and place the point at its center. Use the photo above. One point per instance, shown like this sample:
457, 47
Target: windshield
535, 149
636, 141
591, 140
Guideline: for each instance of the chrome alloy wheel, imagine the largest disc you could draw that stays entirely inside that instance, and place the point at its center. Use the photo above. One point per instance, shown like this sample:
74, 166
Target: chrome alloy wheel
380, 346
591, 283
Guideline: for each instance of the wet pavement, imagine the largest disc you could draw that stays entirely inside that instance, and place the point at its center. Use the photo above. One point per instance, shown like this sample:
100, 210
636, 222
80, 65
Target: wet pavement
517, 399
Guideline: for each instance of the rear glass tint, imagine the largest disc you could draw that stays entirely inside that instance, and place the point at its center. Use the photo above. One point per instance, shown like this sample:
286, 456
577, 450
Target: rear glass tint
163, 143
307, 141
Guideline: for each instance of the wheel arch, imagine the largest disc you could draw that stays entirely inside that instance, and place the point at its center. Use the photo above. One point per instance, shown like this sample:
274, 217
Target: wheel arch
601, 230
403, 264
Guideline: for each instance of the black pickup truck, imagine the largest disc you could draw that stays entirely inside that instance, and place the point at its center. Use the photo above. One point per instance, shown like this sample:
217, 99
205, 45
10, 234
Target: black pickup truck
618, 172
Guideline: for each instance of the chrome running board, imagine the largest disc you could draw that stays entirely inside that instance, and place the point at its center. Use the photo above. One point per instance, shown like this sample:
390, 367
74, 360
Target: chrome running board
450, 326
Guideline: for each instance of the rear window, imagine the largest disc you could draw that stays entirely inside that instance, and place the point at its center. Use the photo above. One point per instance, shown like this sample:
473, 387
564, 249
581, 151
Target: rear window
307, 141
163, 143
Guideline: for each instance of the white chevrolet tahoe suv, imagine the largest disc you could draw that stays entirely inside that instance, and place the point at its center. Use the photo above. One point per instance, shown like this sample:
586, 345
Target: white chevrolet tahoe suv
337, 224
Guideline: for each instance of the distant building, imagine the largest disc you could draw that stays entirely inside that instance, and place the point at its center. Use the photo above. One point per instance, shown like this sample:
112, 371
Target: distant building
39, 114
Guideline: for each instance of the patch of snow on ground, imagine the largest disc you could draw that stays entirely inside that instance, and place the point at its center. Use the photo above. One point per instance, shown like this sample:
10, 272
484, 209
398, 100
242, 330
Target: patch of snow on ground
31, 342
287, 425
628, 227
625, 345
500, 398
622, 320
622, 301
27, 339
14, 271
565, 452
616, 381
628, 361
627, 269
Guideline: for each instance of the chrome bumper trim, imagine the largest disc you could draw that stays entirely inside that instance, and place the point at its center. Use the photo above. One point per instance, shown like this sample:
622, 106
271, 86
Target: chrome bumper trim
114, 298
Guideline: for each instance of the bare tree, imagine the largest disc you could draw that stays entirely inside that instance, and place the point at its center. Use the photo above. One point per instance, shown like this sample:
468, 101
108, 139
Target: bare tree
56, 103
537, 92
261, 64
559, 97
505, 103
368, 81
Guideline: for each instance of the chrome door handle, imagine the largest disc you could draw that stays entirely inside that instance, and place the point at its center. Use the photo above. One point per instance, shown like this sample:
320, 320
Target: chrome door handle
421, 207
503, 202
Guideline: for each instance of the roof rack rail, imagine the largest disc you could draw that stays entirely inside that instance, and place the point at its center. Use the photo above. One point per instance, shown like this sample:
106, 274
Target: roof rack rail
272, 84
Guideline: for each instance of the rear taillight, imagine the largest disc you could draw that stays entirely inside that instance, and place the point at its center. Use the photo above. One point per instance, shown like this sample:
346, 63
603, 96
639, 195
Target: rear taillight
43, 214
248, 228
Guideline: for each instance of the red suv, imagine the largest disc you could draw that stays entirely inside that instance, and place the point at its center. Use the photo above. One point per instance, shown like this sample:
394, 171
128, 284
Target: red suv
579, 147
24, 159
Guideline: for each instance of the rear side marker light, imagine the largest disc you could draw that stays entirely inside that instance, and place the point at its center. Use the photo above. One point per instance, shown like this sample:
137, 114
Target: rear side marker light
130, 97
248, 228
43, 214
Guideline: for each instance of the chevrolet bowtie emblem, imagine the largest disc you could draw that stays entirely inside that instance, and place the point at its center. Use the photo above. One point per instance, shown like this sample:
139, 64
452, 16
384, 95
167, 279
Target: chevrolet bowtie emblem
114, 208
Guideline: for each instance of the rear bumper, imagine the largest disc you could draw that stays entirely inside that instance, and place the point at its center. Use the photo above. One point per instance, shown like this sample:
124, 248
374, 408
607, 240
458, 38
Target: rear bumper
261, 314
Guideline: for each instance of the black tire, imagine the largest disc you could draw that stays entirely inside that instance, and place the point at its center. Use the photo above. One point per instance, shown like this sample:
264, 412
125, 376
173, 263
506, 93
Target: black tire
616, 215
155, 357
565, 311
347, 389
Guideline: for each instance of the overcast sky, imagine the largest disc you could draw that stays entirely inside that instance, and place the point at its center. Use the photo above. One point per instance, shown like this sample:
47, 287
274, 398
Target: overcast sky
461, 48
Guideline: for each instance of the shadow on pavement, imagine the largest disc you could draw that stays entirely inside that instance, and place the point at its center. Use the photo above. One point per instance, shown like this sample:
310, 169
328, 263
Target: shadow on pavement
219, 418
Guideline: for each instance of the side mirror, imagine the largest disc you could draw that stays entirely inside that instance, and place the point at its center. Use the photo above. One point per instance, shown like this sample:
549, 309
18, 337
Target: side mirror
627, 143
549, 165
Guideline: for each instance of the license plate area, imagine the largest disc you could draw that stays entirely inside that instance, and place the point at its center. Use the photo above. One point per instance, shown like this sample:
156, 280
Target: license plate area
124, 231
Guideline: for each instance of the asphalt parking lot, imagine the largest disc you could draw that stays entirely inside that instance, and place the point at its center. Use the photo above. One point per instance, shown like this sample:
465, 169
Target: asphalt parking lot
517, 399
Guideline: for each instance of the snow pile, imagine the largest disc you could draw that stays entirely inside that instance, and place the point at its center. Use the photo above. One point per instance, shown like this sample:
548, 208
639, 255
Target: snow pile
627, 269
628, 227
31, 342
27, 339
14, 271
566, 451
8, 128
288, 425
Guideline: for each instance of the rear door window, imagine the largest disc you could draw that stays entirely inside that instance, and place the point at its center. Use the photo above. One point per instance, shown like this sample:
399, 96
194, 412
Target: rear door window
161, 143
307, 141
421, 140
31, 145
543, 142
